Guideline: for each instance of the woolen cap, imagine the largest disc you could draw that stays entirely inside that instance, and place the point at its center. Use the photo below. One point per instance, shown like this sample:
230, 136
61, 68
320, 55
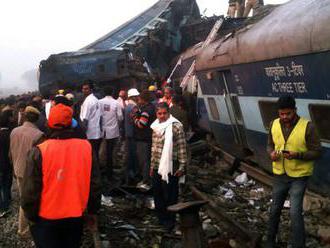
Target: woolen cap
60, 116
30, 109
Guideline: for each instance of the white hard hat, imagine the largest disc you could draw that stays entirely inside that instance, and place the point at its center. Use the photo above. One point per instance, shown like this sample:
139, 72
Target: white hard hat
133, 92
69, 96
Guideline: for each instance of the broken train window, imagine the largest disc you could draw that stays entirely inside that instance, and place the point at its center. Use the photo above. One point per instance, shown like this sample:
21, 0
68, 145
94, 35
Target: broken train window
269, 112
213, 108
320, 114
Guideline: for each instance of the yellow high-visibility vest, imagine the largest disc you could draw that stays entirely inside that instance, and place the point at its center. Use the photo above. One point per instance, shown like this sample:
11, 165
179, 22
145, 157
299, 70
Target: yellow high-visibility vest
296, 143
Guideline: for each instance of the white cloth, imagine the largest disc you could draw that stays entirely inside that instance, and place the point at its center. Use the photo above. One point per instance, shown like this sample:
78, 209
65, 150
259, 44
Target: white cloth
48, 106
90, 111
111, 114
166, 159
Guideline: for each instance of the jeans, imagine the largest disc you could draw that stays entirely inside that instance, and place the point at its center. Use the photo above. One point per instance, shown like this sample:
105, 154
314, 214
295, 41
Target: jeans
165, 194
63, 233
110, 145
143, 151
295, 187
96, 143
131, 159
6, 179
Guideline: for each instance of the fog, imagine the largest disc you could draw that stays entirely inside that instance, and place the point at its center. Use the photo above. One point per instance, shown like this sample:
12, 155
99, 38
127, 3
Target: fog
32, 30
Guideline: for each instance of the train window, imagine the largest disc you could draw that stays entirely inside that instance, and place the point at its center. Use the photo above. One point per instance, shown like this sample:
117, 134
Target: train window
211, 85
213, 108
268, 110
320, 115
237, 107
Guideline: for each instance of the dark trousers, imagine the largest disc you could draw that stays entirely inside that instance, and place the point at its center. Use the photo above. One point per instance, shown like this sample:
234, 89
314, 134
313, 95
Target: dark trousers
165, 194
96, 143
131, 159
295, 187
63, 233
110, 145
6, 180
143, 151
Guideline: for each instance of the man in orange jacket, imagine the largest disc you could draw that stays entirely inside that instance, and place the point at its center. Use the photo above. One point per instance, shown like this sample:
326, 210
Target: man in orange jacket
61, 183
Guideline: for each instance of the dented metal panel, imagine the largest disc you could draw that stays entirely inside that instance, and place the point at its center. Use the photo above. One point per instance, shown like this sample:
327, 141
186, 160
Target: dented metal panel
153, 37
147, 20
296, 28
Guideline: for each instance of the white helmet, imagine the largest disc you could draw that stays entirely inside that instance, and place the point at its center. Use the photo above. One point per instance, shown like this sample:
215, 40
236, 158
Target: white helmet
133, 92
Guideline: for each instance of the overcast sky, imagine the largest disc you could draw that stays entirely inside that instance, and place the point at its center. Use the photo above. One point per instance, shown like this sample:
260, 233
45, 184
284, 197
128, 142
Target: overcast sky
32, 30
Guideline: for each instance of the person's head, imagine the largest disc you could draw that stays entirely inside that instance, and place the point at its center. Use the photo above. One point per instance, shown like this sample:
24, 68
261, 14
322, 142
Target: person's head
60, 117
37, 99
133, 94
6, 118
162, 111
21, 106
177, 100
108, 91
159, 94
286, 109
62, 100
31, 114
87, 87
36, 104
168, 92
152, 88
123, 94
145, 97
61, 92
70, 98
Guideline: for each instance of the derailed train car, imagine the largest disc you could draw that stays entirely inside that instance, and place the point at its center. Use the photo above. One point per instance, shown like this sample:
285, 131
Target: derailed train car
242, 74
139, 49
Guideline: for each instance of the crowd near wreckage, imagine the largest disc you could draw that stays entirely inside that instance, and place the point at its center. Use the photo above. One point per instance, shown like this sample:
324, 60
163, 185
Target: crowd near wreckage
235, 73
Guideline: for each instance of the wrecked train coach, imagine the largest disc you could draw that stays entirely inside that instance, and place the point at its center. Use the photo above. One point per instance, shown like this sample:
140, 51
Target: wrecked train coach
283, 50
139, 49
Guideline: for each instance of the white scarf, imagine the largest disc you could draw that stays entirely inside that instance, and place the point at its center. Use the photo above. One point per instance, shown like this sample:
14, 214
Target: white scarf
166, 159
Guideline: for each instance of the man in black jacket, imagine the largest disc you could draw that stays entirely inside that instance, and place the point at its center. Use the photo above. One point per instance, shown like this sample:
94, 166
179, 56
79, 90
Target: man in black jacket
6, 169
143, 116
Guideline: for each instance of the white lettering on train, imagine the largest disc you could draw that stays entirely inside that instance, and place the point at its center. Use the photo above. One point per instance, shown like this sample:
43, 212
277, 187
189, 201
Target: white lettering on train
289, 87
279, 71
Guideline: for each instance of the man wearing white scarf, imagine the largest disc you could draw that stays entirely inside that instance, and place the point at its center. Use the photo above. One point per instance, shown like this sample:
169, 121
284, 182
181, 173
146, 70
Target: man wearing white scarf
168, 162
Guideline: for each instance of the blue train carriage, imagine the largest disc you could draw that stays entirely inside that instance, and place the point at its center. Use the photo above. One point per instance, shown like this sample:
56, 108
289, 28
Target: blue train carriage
242, 75
67, 70
119, 57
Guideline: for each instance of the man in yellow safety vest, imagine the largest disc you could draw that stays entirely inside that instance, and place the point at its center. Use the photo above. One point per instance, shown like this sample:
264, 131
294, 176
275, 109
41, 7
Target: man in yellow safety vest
293, 145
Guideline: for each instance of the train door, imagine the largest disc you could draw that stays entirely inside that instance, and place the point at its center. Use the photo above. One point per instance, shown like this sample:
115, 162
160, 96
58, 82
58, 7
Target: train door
233, 108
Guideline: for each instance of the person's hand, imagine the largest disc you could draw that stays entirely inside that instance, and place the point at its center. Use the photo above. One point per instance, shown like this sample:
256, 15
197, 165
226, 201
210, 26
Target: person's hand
275, 155
290, 155
178, 173
151, 172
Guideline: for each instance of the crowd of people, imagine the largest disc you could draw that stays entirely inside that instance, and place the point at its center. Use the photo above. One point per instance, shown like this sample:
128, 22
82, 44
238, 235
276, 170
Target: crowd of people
52, 148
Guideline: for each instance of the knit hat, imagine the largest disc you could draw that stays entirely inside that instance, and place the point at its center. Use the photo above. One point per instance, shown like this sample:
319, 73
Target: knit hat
60, 116
30, 109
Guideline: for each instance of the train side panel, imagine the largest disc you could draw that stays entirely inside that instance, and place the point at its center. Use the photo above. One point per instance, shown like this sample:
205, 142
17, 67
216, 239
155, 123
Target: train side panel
241, 102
